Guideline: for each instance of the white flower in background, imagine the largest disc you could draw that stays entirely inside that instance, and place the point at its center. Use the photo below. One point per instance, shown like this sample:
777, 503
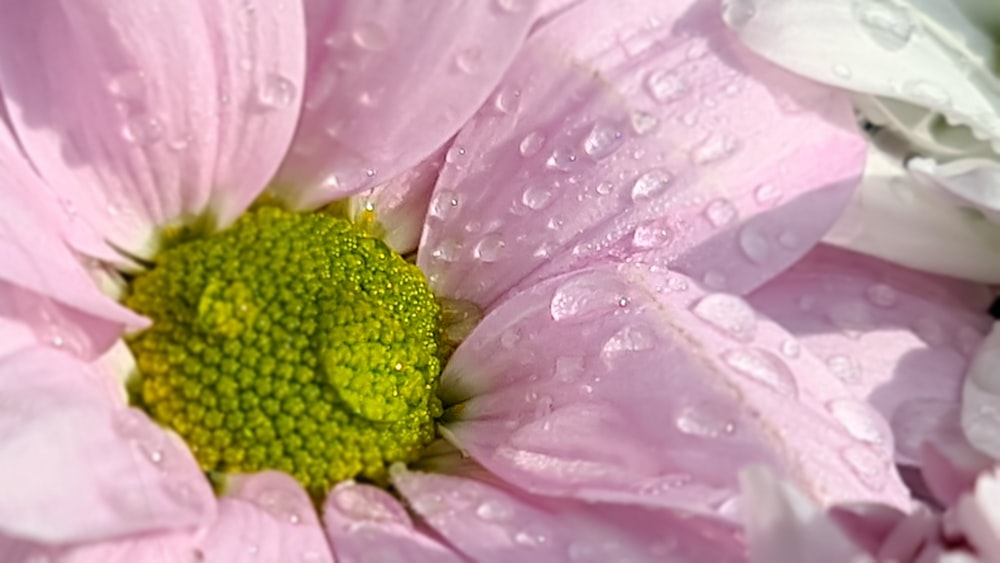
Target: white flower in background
925, 73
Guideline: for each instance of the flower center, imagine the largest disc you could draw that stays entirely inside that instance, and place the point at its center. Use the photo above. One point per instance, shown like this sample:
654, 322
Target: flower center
290, 342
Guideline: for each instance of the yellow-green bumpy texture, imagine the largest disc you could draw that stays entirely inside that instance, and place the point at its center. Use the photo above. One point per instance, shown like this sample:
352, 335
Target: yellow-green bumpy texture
290, 342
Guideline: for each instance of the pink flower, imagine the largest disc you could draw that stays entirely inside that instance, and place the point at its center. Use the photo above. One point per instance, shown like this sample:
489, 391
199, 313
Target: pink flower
616, 181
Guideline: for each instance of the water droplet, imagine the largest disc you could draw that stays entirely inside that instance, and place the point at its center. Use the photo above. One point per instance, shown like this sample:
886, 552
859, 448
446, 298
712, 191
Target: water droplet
651, 184
841, 70
870, 467
764, 367
283, 504
729, 314
561, 159
603, 139
507, 99
531, 143
531, 538
371, 36
489, 247
127, 85
791, 348
736, 13
467, 60
930, 331
766, 194
788, 239
276, 92
851, 317
927, 93
444, 204
845, 368
447, 251
643, 122
454, 154
714, 148
858, 419
495, 511
536, 197
720, 212
754, 244
604, 188
142, 129
887, 23
665, 86
583, 299
651, 235
882, 295
704, 423
627, 340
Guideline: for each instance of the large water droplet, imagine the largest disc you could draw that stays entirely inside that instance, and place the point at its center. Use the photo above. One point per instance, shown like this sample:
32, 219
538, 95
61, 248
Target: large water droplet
652, 234
764, 367
627, 340
495, 511
665, 86
142, 129
738, 13
455, 154
489, 248
276, 92
507, 99
448, 250
583, 299
651, 184
643, 122
602, 140
729, 314
704, 422
721, 212
858, 419
444, 204
371, 36
714, 148
531, 143
536, 197
467, 60
887, 23
754, 244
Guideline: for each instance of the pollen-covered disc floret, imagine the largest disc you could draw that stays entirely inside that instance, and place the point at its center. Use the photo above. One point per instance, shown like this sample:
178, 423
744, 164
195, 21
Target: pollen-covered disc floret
290, 342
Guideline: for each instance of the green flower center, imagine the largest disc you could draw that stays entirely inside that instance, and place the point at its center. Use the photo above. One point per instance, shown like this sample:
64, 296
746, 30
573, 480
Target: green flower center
290, 342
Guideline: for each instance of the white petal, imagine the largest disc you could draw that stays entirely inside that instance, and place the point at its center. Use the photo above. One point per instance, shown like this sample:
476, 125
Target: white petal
981, 397
975, 181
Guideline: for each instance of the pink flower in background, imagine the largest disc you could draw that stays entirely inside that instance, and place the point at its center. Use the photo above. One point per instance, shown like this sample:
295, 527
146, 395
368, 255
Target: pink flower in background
614, 179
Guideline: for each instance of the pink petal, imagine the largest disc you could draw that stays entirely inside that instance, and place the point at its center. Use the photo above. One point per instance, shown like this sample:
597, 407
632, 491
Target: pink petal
639, 131
978, 515
637, 386
894, 336
492, 523
42, 284
144, 114
177, 547
73, 467
399, 206
388, 83
266, 517
366, 523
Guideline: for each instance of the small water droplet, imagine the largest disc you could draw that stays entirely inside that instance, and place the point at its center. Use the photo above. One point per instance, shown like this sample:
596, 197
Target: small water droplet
371, 36
455, 154
704, 423
766, 194
643, 122
531, 538
563, 159
764, 367
489, 247
444, 204
845, 368
927, 93
714, 148
495, 511
531, 143
467, 60
128, 85
858, 419
651, 184
507, 99
841, 70
651, 235
887, 23
754, 244
276, 92
788, 239
721, 212
665, 86
604, 188
737, 13
603, 139
791, 348
882, 295
729, 314
448, 250
627, 340
870, 467
142, 129
536, 197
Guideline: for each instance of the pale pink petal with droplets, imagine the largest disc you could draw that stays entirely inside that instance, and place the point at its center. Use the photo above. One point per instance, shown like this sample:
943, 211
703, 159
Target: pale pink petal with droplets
388, 83
265, 517
366, 523
639, 387
893, 335
142, 114
494, 523
672, 145
75, 466
175, 547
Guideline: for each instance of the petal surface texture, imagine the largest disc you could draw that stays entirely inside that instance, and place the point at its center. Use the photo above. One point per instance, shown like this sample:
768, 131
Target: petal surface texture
490, 522
981, 397
899, 339
388, 83
76, 466
666, 392
639, 140
142, 115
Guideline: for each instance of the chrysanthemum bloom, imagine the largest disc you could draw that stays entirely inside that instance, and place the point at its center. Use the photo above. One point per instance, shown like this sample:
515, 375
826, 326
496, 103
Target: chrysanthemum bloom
630, 170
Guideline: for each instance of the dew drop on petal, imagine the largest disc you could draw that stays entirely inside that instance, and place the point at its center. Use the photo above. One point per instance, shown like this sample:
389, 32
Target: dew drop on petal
536, 197
651, 235
764, 367
766, 194
489, 247
276, 92
840, 70
888, 24
602, 140
142, 129
628, 339
754, 244
643, 122
721, 212
371, 36
127, 85
870, 467
495, 511
583, 299
651, 184
507, 99
444, 204
531, 143
929, 93
858, 419
665, 86
467, 60
729, 314
714, 148
845, 368
703, 422
737, 13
